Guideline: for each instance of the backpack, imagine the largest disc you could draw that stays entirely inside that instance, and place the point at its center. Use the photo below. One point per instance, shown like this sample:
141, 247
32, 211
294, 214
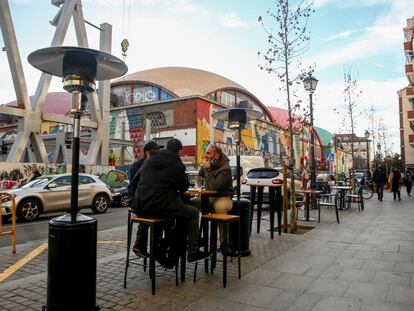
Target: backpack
166, 250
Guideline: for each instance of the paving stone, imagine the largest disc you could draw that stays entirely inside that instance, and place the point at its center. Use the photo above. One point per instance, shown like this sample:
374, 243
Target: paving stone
305, 302
293, 282
367, 291
397, 257
348, 274
328, 287
375, 264
404, 267
380, 306
262, 277
254, 295
337, 304
401, 294
394, 278
368, 254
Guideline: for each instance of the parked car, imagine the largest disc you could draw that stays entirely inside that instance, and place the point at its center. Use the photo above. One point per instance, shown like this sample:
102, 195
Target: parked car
120, 193
265, 176
48, 194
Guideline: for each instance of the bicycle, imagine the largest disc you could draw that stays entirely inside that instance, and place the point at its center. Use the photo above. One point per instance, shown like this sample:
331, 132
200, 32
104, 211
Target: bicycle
367, 189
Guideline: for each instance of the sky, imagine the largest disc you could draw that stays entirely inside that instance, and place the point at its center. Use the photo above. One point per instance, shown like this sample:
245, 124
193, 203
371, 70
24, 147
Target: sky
224, 37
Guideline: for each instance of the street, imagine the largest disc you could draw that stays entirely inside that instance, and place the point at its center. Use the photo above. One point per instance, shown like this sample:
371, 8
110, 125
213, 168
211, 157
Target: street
37, 230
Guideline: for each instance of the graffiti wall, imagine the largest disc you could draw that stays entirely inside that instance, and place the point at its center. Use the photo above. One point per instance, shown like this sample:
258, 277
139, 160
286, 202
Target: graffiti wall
259, 138
14, 175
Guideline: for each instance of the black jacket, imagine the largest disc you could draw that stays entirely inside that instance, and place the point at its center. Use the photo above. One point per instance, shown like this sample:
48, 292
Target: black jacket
133, 179
162, 179
218, 177
379, 176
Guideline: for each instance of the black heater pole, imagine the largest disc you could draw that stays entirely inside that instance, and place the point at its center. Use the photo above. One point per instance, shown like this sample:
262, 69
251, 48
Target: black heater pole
238, 133
76, 105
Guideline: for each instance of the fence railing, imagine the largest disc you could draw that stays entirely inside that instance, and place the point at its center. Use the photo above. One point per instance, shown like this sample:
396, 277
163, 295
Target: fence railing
3, 197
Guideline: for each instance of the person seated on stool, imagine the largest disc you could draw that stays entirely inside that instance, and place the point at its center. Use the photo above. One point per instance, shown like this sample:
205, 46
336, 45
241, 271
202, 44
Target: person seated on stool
149, 148
217, 175
161, 181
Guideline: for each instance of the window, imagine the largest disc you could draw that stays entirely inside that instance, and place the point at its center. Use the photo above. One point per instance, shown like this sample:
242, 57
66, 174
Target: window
263, 173
63, 181
85, 180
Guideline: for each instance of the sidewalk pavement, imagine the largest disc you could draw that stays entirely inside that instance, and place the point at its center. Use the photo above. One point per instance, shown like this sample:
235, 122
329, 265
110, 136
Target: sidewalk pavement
365, 263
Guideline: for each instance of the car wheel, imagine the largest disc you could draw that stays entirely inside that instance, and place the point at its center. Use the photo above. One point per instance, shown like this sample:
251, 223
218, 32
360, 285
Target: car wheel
28, 210
100, 203
124, 200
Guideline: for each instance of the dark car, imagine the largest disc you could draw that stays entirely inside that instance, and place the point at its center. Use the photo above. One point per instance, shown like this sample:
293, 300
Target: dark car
120, 194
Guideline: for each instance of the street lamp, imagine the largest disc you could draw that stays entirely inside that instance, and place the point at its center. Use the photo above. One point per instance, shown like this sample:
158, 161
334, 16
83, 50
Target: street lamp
310, 84
368, 166
71, 280
379, 151
237, 119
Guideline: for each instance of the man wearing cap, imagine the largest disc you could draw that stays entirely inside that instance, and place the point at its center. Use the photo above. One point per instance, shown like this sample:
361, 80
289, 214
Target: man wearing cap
148, 150
161, 181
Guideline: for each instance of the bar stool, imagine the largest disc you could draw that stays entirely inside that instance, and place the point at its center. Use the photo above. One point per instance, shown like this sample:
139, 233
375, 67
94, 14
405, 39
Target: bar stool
152, 223
225, 219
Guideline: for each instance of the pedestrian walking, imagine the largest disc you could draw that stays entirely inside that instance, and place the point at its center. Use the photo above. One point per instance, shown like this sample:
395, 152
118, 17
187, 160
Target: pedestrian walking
380, 179
395, 179
408, 181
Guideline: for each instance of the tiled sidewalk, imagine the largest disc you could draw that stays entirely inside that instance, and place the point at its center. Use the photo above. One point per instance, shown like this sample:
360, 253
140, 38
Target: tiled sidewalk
365, 263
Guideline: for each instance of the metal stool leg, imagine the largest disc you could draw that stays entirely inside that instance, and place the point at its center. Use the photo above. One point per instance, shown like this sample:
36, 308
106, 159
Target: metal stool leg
129, 233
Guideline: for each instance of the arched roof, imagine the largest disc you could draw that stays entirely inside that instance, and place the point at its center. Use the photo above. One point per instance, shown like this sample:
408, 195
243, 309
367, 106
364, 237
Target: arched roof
58, 103
281, 117
324, 135
184, 81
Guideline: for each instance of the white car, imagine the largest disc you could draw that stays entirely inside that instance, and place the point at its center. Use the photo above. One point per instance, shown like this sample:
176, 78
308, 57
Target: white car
265, 176
51, 193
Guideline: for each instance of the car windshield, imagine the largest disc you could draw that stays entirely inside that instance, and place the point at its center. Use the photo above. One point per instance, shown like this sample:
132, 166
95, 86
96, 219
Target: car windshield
38, 182
263, 173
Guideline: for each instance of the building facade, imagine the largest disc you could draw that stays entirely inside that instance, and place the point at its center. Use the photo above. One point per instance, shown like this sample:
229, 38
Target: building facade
406, 100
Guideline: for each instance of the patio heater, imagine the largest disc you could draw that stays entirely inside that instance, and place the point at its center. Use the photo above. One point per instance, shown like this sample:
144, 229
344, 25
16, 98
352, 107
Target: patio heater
71, 280
237, 119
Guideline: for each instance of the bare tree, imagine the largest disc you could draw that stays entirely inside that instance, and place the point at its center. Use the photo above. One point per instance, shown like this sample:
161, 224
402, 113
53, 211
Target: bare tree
288, 38
352, 95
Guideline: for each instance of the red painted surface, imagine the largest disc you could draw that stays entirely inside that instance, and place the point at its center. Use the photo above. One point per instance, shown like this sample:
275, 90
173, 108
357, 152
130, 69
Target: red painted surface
189, 150
281, 117
185, 112
203, 110
410, 114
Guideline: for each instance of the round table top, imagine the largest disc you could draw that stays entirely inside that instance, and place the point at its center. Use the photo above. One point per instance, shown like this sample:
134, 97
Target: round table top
309, 191
341, 187
192, 191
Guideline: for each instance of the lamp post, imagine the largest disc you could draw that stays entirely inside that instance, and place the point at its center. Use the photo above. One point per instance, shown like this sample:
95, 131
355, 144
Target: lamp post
71, 280
237, 119
379, 152
310, 84
367, 151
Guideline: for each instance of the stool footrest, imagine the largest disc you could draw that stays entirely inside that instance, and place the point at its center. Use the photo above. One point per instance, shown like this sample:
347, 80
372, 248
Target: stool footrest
149, 220
221, 217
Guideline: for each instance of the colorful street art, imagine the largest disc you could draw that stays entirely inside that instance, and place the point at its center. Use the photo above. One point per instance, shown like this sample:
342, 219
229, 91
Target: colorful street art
14, 175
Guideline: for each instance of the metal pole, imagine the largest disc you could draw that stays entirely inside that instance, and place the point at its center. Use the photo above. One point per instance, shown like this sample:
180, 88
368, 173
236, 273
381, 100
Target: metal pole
336, 158
312, 155
238, 137
368, 166
76, 105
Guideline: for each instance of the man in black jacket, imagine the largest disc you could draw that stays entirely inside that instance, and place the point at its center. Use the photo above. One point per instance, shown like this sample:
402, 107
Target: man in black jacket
162, 180
148, 149
380, 179
133, 182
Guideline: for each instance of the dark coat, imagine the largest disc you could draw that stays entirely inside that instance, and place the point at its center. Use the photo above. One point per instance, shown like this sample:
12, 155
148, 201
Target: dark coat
218, 177
133, 179
396, 181
162, 179
379, 176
